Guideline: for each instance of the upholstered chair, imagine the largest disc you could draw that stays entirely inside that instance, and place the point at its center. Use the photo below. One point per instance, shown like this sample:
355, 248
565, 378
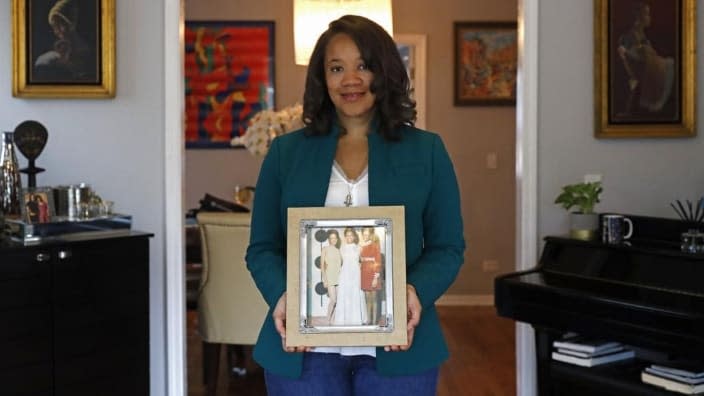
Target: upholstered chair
230, 308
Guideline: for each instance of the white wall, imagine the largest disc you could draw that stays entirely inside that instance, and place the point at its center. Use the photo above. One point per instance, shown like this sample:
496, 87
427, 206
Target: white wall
116, 145
641, 176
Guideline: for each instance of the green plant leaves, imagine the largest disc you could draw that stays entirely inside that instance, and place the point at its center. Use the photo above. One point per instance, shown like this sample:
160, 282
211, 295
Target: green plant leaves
584, 196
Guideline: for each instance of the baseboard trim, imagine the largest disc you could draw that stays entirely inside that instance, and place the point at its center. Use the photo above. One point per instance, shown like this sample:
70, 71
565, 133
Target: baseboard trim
466, 299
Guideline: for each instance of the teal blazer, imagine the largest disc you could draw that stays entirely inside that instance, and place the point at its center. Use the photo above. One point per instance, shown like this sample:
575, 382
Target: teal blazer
415, 172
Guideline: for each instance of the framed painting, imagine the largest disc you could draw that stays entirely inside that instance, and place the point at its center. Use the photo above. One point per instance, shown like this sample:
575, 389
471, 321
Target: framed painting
63, 48
644, 68
229, 77
486, 55
411, 47
346, 277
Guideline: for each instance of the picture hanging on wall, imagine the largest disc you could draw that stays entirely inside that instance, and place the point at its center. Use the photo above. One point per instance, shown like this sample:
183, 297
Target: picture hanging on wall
645, 74
229, 77
63, 49
485, 63
411, 47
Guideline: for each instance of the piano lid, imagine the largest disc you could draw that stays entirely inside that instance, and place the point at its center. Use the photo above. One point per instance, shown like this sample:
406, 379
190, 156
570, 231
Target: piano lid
635, 264
652, 258
647, 291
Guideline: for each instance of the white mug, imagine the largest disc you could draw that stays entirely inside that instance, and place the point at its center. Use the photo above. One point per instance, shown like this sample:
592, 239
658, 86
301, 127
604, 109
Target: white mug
613, 228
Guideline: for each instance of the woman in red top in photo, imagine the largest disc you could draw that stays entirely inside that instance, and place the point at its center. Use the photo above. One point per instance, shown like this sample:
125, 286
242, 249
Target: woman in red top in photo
370, 257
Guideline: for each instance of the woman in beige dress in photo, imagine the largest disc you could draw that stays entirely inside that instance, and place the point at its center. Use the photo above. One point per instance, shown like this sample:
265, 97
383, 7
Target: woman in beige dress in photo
330, 263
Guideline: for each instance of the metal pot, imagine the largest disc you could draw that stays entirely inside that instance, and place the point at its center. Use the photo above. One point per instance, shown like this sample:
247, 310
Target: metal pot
68, 200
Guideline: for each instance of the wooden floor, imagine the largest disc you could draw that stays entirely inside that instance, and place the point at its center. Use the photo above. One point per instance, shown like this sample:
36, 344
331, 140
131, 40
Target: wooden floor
482, 359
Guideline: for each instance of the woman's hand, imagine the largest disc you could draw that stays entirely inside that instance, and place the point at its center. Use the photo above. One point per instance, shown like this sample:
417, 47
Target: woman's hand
414, 310
279, 315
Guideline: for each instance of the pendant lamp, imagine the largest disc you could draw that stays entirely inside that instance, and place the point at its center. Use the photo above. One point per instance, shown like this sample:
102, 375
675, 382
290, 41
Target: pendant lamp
311, 19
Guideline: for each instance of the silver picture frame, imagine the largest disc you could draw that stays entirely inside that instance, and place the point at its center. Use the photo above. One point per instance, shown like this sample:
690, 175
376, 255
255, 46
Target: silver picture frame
354, 259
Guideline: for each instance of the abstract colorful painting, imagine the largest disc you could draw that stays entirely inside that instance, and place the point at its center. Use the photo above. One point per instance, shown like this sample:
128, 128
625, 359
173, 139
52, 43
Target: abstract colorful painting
229, 77
485, 63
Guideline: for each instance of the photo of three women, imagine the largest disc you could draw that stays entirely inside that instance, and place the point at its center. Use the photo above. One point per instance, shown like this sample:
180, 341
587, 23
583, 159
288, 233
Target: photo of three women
352, 274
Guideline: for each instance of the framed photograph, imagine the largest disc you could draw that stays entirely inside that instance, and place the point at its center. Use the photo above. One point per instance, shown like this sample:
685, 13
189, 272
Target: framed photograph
63, 48
229, 71
644, 68
37, 205
346, 277
412, 50
486, 55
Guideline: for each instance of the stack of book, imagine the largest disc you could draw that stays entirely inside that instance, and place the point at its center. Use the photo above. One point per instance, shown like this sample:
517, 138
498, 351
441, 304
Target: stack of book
675, 379
589, 352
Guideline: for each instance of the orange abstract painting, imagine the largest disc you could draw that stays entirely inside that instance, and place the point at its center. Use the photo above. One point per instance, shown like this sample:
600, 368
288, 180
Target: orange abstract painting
229, 77
485, 63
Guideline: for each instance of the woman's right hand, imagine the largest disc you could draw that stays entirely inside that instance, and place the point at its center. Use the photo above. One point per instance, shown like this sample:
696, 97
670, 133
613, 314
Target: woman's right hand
279, 316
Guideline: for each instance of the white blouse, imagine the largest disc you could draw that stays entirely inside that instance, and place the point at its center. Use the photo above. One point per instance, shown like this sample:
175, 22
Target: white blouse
356, 192
341, 188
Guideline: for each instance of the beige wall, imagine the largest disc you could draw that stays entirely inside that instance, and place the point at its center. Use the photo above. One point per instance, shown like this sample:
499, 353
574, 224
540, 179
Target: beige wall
470, 133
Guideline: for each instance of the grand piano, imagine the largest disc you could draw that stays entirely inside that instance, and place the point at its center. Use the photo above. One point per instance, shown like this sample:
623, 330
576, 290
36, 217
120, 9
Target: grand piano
646, 293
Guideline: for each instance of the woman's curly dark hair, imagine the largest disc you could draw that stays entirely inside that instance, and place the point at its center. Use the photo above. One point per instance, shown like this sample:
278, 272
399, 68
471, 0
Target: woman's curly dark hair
393, 105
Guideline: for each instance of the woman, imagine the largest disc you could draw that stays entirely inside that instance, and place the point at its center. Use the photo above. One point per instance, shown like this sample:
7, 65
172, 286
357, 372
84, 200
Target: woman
650, 76
70, 58
331, 262
370, 258
358, 149
43, 209
350, 301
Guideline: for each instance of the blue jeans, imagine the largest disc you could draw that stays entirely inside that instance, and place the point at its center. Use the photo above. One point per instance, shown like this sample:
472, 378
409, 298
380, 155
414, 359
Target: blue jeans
330, 374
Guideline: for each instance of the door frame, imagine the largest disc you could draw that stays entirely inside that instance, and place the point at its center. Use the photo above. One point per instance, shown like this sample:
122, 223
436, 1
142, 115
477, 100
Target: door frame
175, 330
526, 184
526, 179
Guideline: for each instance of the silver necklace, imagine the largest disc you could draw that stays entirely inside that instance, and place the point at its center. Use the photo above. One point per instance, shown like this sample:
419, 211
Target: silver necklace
348, 199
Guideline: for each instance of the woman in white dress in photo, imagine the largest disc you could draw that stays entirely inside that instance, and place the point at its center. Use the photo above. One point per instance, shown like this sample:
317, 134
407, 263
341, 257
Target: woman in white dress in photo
350, 309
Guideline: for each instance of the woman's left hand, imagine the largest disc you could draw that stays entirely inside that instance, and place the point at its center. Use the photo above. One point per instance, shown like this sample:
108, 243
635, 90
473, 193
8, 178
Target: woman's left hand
414, 310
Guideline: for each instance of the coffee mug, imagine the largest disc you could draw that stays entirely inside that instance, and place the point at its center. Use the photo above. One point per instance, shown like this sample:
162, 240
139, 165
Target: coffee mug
613, 228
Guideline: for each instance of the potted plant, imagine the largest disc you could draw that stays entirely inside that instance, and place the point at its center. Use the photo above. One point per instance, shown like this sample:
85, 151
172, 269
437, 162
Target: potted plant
584, 196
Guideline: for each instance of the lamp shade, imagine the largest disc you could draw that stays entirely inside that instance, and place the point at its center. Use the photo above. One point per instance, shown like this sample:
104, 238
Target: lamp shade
311, 19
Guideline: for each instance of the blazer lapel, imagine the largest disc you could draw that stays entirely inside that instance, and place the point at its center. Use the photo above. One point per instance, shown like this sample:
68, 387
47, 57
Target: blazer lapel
319, 164
380, 180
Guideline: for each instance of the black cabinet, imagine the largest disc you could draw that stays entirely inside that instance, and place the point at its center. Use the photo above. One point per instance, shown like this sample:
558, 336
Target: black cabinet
75, 317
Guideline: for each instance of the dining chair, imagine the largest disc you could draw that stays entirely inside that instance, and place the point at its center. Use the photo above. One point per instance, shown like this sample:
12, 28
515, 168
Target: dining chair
230, 308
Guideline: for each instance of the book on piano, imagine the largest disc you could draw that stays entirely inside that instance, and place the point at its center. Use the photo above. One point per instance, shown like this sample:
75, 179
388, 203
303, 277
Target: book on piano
671, 384
594, 360
678, 378
680, 370
590, 355
585, 345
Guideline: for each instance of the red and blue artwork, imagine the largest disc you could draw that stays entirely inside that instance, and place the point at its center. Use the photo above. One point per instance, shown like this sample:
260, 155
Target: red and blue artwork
229, 77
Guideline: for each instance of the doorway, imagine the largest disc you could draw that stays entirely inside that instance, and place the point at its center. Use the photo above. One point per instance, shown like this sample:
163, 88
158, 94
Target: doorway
526, 241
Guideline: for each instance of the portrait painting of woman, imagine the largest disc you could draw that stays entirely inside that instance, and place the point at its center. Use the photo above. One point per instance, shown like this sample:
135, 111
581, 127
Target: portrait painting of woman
645, 72
645, 61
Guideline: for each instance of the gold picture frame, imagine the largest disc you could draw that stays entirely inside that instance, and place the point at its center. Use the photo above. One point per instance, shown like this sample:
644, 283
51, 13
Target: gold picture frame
645, 80
371, 300
63, 49
486, 63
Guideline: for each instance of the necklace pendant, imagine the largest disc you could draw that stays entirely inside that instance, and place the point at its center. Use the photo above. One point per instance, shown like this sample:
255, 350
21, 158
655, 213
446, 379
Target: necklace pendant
348, 200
